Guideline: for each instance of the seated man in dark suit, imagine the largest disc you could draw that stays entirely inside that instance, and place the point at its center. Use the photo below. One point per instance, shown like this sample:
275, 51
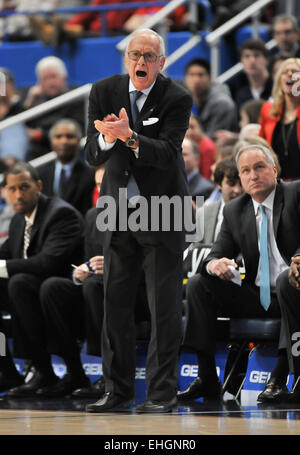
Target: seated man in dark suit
198, 185
73, 309
255, 225
45, 237
68, 177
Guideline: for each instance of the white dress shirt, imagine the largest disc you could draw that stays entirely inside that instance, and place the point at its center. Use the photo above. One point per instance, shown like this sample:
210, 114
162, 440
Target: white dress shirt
277, 264
3, 268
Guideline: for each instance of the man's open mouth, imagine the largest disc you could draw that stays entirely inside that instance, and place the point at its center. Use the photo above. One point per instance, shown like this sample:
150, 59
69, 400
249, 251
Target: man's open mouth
141, 73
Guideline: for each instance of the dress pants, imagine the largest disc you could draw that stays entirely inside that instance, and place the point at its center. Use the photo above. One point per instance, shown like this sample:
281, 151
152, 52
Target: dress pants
73, 312
289, 300
210, 297
20, 297
127, 255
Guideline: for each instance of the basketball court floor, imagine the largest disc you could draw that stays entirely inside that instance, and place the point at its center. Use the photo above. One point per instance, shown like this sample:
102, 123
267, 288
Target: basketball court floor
67, 416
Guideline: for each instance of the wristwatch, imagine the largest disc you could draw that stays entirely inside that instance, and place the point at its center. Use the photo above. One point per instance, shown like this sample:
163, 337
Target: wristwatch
132, 140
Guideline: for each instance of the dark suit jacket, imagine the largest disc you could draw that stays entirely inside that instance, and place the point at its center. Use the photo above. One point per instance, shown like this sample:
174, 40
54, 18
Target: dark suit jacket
56, 240
160, 169
241, 92
80, 187
200, 186
238, 232
92, 245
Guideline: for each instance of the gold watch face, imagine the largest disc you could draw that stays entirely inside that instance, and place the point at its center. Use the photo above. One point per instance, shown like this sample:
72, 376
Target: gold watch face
131, 141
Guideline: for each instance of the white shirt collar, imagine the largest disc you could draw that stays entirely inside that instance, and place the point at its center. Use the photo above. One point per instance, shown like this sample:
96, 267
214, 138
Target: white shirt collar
268, 202
145, 91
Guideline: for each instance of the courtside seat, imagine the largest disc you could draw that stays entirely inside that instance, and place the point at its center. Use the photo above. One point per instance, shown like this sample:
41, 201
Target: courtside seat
244, 334
254, 329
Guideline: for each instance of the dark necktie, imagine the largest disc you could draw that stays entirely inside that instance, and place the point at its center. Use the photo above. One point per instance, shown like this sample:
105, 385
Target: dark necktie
132, 188
62, 183
134, 109
265, 293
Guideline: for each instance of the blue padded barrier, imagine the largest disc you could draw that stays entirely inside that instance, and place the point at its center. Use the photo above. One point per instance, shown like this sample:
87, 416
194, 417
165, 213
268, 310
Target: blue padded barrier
92, 59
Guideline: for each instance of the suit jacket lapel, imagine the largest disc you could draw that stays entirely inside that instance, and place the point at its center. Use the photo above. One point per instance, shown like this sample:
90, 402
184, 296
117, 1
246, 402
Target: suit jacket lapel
19, 238
73, 180
39, 218
249, 237
50, 180
121, 98
277, 208
151, 102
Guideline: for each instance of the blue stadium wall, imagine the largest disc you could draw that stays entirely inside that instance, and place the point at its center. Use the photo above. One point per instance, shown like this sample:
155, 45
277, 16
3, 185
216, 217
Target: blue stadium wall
94, 58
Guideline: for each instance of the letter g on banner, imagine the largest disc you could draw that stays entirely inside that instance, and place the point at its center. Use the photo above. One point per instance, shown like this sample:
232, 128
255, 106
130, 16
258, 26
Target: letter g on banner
2, 84
2, 345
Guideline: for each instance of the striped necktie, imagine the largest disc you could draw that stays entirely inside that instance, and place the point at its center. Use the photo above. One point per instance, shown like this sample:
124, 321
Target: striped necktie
27, 232
265, 293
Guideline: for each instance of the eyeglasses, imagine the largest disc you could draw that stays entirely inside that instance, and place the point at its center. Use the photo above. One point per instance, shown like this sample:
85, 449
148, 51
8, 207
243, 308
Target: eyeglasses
283, 32
292, 71
149, 57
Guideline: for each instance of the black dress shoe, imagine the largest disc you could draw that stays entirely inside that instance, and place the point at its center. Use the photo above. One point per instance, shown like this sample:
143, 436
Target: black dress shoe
64, 386
96, 390
198, 389
110, 402
275, 391
29, 388
7, 383
293, 397
156, 406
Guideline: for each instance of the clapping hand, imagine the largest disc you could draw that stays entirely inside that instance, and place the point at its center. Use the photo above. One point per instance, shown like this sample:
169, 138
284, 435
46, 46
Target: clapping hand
113, 127
294, 272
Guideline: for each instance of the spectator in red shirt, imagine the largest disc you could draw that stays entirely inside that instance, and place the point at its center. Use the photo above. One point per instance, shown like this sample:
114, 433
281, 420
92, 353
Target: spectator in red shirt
207, 147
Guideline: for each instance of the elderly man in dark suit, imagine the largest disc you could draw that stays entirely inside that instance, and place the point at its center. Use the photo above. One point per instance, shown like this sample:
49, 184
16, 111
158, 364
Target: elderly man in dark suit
255, 224
68, 177
141, 146
45, 237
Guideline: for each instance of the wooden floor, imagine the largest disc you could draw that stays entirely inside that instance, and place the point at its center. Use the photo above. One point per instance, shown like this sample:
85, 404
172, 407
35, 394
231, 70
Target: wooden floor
68, 417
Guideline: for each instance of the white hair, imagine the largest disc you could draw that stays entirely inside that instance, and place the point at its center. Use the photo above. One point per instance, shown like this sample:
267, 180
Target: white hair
265, 150
162, 47
51, 62
252, 129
